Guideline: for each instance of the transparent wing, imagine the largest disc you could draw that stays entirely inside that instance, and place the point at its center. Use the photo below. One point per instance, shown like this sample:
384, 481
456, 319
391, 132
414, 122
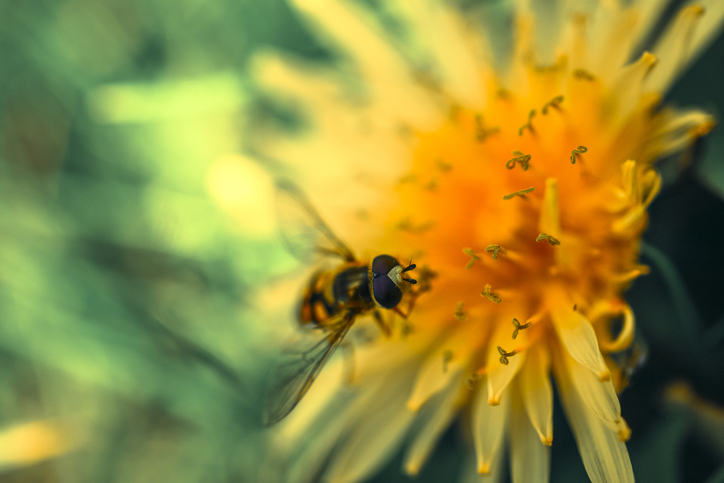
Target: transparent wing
302, 229
298, 369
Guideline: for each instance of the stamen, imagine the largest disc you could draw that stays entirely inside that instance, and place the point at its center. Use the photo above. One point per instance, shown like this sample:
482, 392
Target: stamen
431, 185
522, 159
519, 327
555, 102
528, 124
490, 295
551, 240
518, 193
578, 150
482, 132
473, 257
631, 274
447, 356
406, 224
473, 378
410, 178
583, 74
504, 355
459, 313
443, 166
493, 248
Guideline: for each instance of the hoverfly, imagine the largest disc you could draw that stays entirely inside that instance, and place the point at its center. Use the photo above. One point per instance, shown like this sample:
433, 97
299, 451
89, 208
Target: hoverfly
332, 300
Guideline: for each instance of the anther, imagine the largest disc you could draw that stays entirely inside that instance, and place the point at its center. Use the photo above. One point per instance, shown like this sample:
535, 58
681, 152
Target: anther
494, 249
528, 125
473, 378
447, 356
459, 313
578, 150
518, 193
583, 74
443, 166
555, 102
493, 297
551, 240
504, 355
473, 257
407, 225
481, 131
519, 327
522, 159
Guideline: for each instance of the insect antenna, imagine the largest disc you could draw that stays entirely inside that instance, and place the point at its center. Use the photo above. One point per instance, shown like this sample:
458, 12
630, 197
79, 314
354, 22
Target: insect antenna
411, 266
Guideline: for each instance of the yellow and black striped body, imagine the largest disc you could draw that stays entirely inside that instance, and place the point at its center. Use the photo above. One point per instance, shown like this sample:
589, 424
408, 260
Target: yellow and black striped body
346, 288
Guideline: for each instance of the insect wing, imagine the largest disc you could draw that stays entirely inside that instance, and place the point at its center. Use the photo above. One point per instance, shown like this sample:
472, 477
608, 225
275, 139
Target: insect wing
298, 369
303, 230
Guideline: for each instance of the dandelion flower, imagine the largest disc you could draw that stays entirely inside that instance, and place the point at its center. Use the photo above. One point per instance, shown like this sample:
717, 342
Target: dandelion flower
523, 181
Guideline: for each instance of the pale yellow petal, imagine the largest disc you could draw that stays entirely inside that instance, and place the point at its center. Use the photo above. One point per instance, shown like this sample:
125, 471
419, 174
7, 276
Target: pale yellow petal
709, 27
599, 396
604, 455
435, 421
674, 48
386, 71
470, 472
578, 337
679, 130
536, 392
437, 370
627, 85
374, 437
442, 37
529, 459
612, 39
499, 374
488, 424
550, 214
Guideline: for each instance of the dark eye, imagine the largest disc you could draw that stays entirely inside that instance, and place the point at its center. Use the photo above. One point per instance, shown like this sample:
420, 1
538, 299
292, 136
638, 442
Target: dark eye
385, 291
382, 264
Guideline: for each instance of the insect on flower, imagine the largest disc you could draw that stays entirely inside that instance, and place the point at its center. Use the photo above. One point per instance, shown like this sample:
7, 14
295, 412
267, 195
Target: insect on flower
332, 300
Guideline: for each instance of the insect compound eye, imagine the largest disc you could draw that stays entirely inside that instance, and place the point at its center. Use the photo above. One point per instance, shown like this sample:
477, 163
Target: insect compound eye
382, 264
386, 293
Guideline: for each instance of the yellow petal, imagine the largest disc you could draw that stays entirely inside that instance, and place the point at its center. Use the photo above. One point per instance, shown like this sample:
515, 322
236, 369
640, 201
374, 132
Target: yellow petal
442, 38
373, 439
674, 48
627, 85
536, 392
386, 71
598, 396
436, 371
500, 375
488, 429
529, 459
578, 337
435, 421
613, 38
550, 215
604, 456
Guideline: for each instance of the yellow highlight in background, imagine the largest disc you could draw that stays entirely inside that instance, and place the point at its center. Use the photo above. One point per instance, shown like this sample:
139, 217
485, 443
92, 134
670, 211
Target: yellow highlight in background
245, 191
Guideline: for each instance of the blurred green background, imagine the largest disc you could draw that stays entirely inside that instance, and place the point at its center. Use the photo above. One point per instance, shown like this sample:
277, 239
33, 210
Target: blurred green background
132, 339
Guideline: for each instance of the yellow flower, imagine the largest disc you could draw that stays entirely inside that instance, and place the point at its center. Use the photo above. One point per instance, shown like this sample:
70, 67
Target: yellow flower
524, 186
